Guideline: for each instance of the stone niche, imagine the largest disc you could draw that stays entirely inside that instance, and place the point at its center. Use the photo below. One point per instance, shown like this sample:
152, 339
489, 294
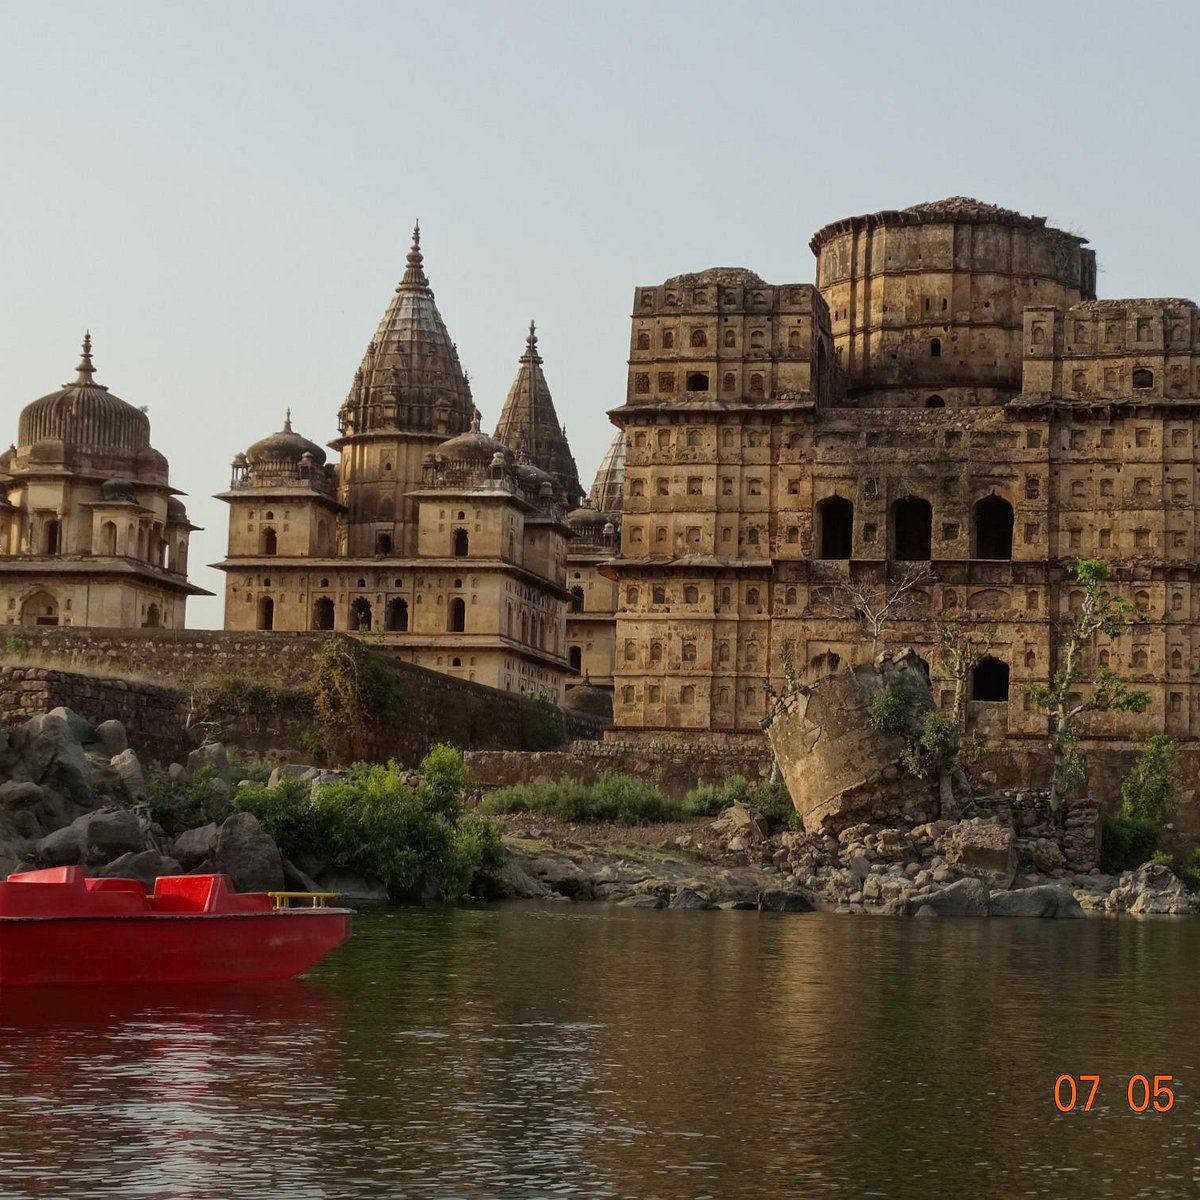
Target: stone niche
838, 770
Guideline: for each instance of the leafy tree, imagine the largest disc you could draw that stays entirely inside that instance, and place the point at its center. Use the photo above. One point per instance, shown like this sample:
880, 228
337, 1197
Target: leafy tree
1100, 612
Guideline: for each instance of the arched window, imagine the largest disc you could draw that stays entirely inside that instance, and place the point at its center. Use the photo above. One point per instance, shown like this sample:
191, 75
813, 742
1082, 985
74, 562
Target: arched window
360, 615
756, 385
575, 659
697, 381
458, 615
322, 614
108, 538
153, 618
643, 340
989, 680
789, 597
730, 381
668, 339
40, 609
396, 616
1176, 659
691, 595
794, 340
689, 651
266, 612
699, 339
577, 599
52, 540
835, 527
757, 340
935, 347
935, 402
631, 595
1143, 379
658, 596
693, 435
627, 694
912, 529
656, 651
993, 528
383, 543
268, 541
460, 543
730, 339
752, 596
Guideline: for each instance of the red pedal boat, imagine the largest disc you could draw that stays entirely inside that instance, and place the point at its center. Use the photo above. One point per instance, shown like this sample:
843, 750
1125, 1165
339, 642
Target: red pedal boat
59, 928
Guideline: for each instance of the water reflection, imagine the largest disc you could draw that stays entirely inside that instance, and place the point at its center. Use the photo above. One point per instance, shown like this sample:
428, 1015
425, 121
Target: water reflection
592, 1052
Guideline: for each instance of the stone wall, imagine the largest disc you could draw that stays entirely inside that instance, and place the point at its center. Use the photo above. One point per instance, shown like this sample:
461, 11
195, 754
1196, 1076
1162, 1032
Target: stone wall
82, 669
673, 764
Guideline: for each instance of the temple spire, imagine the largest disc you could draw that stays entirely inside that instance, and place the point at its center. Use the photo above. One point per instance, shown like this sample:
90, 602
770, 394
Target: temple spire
287, 422
85, 369
531, 354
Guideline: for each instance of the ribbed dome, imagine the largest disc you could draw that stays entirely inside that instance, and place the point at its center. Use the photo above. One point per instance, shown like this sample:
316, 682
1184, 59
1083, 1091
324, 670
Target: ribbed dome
528, 423
285, 447
474, 446
532, 477
175, 509
609, 484
85, 413
118, 490
586, 517
410, 379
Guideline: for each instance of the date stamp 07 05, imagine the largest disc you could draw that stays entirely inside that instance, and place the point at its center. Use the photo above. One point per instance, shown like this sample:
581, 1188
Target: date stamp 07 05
1142, 1093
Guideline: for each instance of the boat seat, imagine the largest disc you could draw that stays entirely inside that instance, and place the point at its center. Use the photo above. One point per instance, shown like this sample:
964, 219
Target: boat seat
116, 885
204, 893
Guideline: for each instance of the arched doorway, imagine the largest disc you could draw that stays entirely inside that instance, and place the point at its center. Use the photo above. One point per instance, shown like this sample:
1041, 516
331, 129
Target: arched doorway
269, 541
397, 615
835, 527
40, 609
266, 612
322, 613
153, 618
575, 658
989, 680
993, 528
360, 615
108, 538
912, 529
457, 622
461, 543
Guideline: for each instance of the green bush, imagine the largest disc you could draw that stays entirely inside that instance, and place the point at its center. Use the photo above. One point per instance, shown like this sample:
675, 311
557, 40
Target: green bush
1149, 789
933, 748
1128, 840
374, 823
542, 724
1188, 869
179, 804
257, 770
890, 711
623, 799
770, 799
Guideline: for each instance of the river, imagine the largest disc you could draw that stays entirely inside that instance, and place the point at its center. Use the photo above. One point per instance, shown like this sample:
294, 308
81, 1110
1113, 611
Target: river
587, 1051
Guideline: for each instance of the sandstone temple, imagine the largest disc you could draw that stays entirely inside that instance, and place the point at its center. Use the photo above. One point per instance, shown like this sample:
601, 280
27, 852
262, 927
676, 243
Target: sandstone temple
91, 532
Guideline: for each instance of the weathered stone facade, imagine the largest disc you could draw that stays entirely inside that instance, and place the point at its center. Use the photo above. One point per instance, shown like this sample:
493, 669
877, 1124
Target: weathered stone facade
91, 532
949, 400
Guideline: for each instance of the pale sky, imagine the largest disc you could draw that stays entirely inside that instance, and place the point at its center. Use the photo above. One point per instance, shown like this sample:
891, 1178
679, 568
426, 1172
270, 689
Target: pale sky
223, 192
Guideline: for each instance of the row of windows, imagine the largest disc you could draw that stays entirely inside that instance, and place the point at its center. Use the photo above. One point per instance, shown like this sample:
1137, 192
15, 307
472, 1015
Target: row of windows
694, 381
698, 339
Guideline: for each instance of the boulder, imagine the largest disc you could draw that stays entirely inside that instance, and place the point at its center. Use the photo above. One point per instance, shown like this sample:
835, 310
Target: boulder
966, 898
16, 794
59, 849
739, 821
1044, 901
248, 855
129, 771
643, 902
893, 845
1153, 889
81, 729
738, 906
110, 738
287, 771
1048, 856
212, 755
689, 898
353, 887
926, 910
981, 847
107, 834
194, 846
52, 756
145, 866
510, 881
785, 901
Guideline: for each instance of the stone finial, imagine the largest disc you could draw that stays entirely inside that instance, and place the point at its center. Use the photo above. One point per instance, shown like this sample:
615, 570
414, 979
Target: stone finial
414, 273
287, 422
476, 416
85, 369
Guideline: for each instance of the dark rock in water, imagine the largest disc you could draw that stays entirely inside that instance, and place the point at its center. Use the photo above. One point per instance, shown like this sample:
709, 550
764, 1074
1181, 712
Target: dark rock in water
689, 898
248, 855
926, 910
295, 880
966, 898
145, 866
193, 846
738, 906
352, 886
642, 902
785, 901
1044, 901
512, 881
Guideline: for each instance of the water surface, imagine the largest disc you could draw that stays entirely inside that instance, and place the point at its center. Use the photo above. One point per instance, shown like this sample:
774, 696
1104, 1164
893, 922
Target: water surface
589, 1051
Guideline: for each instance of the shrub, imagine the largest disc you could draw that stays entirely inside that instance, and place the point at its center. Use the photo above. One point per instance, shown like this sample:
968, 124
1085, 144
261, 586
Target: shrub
623, 799
542, 724
1149, 789
890, 711
179, 804
374, 823
1188, 869
1128, 840
933, 748
257, 770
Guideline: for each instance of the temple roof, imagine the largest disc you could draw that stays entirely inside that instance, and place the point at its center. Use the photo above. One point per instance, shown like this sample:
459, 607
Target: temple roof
608, 486
410, 379
529, 424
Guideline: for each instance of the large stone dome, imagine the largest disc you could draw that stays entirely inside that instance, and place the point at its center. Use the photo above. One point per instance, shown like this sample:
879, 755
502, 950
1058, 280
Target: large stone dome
85, 413
474, 446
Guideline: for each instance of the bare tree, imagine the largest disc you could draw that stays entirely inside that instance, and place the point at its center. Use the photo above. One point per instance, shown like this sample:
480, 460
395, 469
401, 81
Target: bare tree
964, 647
877, 602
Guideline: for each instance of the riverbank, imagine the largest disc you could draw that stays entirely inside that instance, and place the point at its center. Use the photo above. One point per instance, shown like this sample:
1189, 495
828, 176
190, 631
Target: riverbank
974, 867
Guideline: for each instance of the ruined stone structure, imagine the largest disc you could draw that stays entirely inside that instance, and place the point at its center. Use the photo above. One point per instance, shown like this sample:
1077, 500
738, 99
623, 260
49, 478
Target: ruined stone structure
439, 541
91, 531
950, 401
